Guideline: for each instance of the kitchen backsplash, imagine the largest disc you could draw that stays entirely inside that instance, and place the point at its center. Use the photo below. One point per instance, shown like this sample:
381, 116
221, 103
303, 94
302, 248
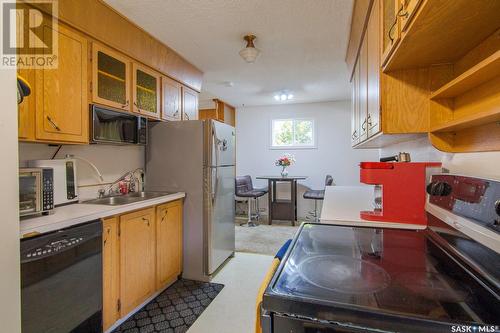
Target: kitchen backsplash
112, 162
484, 164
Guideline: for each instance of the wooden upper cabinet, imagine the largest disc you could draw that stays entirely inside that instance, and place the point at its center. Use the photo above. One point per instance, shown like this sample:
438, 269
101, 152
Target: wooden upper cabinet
363, 91
171, 99
146, 90
391, 27
137, 258
26, 110
373, 69
111, 79
110, 272
355, 105
189, 104
61, 93
168, 242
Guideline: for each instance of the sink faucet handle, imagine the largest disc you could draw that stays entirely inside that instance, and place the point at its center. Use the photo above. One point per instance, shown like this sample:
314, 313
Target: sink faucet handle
101, 192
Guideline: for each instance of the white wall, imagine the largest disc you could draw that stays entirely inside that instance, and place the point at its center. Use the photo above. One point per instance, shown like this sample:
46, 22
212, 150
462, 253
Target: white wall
112, 162
333, 154
486, 164
10, 288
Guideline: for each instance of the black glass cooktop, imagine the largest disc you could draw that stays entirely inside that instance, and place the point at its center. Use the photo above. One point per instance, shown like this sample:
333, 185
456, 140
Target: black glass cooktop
398, 273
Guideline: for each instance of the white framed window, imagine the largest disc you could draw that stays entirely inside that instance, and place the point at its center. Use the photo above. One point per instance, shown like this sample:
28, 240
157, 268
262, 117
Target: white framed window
294, 133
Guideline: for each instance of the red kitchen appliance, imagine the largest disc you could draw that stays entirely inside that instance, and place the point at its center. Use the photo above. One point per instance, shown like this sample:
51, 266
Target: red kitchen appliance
403, 191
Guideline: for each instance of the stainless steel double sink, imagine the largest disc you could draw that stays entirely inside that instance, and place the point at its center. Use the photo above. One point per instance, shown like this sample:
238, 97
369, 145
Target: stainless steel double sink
118, 200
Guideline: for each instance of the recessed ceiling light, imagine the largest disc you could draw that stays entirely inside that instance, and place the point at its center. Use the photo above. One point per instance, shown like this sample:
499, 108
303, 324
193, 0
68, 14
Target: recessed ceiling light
283, 96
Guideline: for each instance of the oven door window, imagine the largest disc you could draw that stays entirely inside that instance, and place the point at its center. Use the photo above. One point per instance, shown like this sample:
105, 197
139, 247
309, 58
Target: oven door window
29, 187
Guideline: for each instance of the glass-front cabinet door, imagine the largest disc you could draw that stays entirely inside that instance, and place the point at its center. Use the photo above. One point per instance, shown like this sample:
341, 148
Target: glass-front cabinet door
146, 91
110, 78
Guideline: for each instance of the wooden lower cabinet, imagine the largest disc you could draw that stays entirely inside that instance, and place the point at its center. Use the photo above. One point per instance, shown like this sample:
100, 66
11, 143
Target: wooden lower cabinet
142, 254
168, 242
110, 271
137, 258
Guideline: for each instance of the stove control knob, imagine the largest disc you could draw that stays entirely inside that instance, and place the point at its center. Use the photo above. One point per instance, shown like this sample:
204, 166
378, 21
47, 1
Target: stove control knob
497, 207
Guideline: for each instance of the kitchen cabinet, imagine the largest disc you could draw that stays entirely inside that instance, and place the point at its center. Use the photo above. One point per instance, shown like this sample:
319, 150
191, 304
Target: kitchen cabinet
171, 99
355, 106
168, 242
146, 91
222, 112
61, 93
111, 79
363, 91
189, 104
373, 72
142, 255
137, 258
387, 108
110, 272
26, 110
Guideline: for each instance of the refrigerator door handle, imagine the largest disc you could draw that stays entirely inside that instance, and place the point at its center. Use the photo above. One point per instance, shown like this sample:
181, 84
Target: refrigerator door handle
215, 184
215, 144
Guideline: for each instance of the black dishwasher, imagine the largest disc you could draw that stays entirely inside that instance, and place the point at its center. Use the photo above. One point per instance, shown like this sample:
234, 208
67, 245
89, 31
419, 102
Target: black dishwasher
61, 278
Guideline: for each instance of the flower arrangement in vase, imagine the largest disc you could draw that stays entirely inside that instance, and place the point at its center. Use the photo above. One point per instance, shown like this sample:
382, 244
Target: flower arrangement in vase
284, 162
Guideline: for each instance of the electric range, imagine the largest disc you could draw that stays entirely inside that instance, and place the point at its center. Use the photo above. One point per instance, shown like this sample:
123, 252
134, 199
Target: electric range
445, 278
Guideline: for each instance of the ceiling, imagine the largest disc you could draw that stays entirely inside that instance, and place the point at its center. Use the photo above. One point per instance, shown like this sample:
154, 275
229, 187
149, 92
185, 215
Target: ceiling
303, 45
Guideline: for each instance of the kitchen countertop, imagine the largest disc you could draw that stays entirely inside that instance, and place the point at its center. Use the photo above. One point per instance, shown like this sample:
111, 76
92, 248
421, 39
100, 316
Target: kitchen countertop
69, 215
342, 205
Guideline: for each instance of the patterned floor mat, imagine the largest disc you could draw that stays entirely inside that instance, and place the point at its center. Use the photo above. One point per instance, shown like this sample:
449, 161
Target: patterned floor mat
174, 310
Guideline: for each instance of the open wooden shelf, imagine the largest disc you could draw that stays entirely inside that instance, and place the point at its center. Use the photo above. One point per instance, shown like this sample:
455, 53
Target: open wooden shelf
472, 120
444, 31
480, 138
482, 72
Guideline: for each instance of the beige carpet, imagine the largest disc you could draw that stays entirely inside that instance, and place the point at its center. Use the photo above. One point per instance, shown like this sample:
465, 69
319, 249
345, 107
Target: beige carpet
263, 239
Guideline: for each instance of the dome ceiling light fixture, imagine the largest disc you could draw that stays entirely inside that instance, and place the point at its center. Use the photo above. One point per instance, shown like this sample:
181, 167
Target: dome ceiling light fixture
250, 52
283, 96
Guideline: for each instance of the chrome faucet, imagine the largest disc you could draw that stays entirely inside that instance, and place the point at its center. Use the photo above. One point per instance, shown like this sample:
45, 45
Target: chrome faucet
132, 181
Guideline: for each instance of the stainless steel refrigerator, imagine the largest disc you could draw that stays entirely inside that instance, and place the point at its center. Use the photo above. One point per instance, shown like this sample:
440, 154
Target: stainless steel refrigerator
197, 157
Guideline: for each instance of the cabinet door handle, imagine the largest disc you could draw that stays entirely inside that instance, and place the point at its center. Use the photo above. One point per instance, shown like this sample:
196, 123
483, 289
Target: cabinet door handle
53, 124
187, 116
369, 119
391, 29
176, 113
125, 105
363, 126
164, 215
145, 220
403, 12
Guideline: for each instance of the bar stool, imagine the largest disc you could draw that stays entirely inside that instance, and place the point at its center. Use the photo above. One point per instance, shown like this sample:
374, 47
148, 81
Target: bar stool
317, 195
245, 189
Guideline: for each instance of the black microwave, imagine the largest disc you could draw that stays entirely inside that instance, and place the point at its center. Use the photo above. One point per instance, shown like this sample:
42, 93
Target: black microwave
114, 127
